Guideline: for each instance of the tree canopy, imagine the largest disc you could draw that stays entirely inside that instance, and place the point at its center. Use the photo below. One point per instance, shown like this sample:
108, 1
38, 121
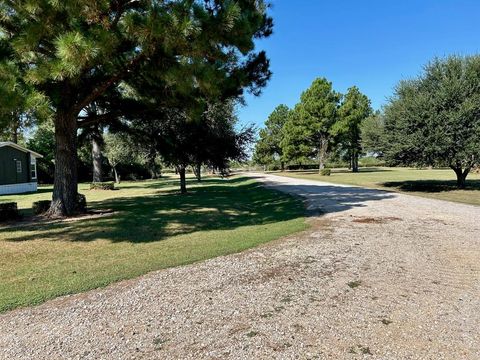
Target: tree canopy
373, 138
308, 130
434, 119
355, 108
72, 53
268, 148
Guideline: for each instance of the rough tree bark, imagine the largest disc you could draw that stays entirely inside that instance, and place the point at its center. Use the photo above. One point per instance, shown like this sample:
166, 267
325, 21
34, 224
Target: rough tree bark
183, 181
97, 155
65, 193
152, 154
355, 161
117, 177
322, 152
197, 169
461, 174
15, 128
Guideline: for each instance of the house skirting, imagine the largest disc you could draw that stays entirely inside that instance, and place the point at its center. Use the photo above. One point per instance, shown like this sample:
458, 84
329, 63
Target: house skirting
18, 188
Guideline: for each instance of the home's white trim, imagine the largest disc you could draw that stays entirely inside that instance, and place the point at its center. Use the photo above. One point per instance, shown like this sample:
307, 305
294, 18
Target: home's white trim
18, 164
18, 188
21, 148
33, 162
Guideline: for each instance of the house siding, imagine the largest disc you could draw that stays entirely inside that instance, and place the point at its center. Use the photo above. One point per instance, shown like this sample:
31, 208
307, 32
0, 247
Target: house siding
8, 168
18, 188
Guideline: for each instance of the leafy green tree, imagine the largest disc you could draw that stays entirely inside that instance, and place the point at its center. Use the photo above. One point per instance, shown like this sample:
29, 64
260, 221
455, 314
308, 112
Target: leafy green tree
73, 51
43, 142
20, 104
308, 130
355, 108
373, 137
435, 119
296, 144
268, 148
211, 139
118, 150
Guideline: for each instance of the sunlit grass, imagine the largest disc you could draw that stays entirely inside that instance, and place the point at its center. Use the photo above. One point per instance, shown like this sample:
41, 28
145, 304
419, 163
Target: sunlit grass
153, 227
432, 183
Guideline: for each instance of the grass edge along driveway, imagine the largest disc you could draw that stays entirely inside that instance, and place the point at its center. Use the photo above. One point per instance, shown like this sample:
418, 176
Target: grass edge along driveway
153, 228
430, 183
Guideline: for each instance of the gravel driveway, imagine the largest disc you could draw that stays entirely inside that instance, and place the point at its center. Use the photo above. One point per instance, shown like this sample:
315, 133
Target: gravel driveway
379, 275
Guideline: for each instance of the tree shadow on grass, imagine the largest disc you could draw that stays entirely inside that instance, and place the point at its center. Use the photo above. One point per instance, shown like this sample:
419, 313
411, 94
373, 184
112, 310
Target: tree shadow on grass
212, 206
431, 186
216, 205
174, 181
339, 171
361, 170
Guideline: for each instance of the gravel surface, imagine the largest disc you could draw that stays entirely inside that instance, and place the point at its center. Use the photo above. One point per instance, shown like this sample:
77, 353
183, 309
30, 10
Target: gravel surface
378, 276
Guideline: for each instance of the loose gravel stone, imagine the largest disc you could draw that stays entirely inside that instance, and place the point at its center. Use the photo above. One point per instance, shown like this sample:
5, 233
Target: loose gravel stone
378, 276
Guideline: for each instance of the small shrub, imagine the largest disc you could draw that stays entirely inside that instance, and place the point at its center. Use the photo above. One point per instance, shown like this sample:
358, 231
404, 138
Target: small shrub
41, 207
9, 211
81, 205
325, 172
102, 186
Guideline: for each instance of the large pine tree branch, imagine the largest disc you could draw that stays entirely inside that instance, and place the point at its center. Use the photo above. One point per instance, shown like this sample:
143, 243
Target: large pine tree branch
120, 7
100, 89
83, 121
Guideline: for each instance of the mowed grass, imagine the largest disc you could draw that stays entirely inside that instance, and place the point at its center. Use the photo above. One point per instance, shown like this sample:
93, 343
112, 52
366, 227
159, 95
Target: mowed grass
431, 183
153, 227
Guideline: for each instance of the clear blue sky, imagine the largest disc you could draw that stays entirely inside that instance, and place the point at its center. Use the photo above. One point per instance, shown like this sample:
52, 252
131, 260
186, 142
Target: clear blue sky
370, 43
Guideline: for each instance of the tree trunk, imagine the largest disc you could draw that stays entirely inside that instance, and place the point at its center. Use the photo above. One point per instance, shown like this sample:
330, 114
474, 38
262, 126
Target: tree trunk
282, 165
151, 163
117, 177
15, 128
355, 161
322, 152
65, 191
461, 175
97, 156
197, 169
183, 181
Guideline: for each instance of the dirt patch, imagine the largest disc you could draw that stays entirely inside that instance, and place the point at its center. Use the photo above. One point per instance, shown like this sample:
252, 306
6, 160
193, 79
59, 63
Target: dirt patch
377, 220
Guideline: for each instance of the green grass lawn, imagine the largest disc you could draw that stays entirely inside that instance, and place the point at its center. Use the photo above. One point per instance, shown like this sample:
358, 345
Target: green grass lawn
153, 227
436, 183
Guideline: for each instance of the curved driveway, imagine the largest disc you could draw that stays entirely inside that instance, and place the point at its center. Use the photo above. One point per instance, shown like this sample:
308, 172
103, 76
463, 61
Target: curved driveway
379, 275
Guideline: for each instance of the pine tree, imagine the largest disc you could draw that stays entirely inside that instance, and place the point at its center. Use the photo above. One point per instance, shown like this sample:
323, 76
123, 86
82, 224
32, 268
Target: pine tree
355, 108
76, 50
309, 128
268, 149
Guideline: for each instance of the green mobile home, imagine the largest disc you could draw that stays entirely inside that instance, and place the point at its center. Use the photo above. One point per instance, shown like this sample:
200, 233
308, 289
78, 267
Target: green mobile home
18, 169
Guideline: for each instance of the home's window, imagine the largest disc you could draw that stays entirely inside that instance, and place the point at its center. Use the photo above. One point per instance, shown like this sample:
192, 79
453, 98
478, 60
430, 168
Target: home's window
33, 169
19, 167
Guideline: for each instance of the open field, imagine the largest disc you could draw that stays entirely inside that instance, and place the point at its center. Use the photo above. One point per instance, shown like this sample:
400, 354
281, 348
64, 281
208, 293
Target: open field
436, 183
152, 227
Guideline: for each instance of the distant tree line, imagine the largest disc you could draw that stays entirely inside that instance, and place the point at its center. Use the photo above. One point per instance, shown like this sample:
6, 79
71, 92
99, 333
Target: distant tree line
432, 120
323, 122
